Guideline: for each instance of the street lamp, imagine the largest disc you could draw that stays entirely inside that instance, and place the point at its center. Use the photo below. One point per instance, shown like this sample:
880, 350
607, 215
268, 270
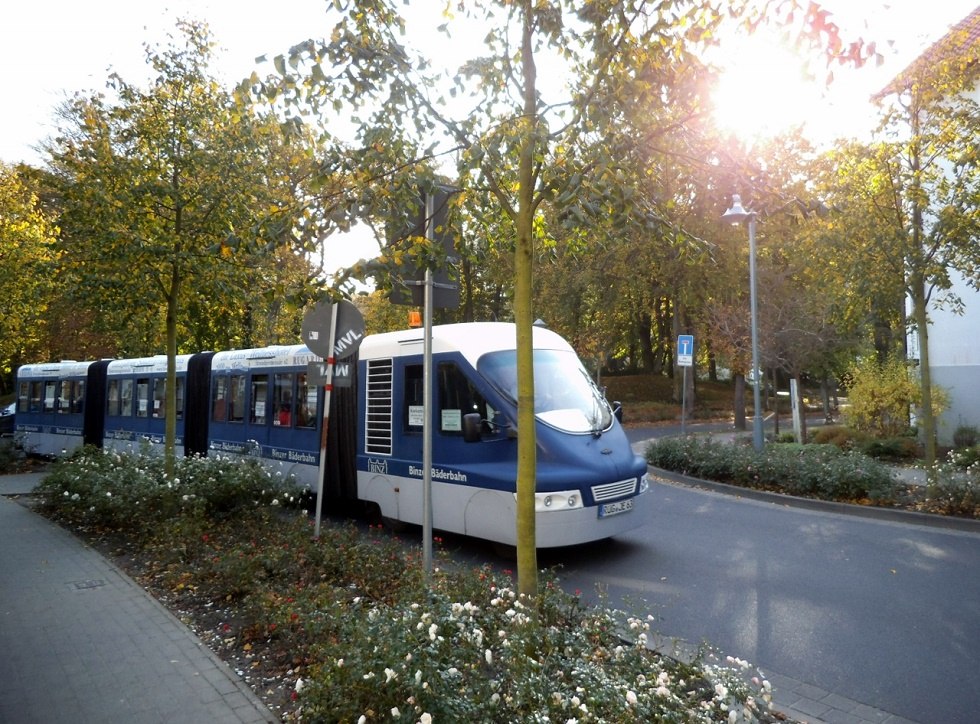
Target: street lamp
737, 215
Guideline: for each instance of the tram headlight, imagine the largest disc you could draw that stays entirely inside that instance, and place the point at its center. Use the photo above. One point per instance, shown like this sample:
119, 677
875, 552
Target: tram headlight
560, 500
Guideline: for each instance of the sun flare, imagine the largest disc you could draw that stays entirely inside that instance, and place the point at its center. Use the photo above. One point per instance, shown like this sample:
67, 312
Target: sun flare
763, 90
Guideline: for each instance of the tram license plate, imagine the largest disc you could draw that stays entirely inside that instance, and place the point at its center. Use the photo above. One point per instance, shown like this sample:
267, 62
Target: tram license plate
620, 506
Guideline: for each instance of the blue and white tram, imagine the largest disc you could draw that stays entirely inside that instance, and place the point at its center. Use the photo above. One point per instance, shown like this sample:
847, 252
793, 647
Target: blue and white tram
51, 406
589, 485
262, 404
135, 408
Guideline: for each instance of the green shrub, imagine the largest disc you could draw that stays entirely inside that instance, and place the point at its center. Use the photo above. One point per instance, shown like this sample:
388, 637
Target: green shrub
10, 456
131, 492
965, 436
965, 458
375, 636
846, 438
881, 395
822, 471
954, 487
490, 657
893, 448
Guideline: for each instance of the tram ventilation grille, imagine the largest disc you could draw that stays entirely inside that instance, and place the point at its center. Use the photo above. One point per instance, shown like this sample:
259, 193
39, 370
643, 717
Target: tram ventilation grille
608, 491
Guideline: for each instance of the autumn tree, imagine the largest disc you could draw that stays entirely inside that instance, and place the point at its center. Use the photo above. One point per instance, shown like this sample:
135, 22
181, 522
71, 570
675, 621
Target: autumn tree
27, 258
905, 211
165, 194
514, 140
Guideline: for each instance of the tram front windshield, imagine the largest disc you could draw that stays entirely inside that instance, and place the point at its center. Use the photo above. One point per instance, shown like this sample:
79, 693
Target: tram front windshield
565, 396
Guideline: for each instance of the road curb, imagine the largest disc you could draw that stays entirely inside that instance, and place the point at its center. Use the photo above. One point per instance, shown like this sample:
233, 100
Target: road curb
911, 517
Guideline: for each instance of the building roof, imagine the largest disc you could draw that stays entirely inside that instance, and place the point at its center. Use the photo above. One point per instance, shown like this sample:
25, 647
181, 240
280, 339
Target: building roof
961, 44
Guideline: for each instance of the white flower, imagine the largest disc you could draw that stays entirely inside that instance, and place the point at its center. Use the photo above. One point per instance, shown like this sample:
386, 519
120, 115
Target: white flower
432, 632
732, 717
426, 718
340, 662
721, 691
362, 719
389, 674
488, 655
394, 712
631, 698
299, 684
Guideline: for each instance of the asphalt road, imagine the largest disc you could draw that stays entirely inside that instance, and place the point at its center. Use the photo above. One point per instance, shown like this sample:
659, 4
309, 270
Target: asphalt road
884, 613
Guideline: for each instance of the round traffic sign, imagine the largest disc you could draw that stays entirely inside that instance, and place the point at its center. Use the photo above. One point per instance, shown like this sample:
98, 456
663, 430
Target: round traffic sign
348, 333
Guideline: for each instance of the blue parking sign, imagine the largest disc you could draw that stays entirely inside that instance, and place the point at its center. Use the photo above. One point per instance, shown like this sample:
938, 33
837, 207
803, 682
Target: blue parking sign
685, 350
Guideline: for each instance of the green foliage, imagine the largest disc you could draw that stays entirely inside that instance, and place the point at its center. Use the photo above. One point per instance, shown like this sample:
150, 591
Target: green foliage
955, 485
966, 436
376, 637
10, 455
881, 396
821, 471
490, 656
131, 492
894, 449
846, 438
27, 234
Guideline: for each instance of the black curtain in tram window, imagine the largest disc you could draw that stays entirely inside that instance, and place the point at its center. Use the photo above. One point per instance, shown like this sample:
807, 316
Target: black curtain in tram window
197, 404
93, 418
341, 471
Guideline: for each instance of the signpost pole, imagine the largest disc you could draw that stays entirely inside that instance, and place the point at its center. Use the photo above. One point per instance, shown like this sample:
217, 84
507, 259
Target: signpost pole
427, 401
685, 359
684, 404
327, 389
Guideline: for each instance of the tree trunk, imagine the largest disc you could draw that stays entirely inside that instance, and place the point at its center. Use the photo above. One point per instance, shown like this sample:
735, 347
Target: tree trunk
527, 559
739, 401
925, 374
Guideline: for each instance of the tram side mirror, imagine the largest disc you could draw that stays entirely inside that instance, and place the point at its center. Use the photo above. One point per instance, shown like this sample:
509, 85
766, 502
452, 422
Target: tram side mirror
618, 410
472, 422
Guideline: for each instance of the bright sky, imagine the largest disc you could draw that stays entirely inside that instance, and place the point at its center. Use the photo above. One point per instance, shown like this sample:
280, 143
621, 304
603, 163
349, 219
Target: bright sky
53, 48
764, 89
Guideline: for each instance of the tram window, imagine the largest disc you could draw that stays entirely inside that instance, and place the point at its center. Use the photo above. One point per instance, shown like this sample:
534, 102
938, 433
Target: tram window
159, 398
260, 399
306, 412
237, 398
78, 396
62, 396
180, 398
282, 392
219, 399
23, 397
413, 414
37, 390
142, 397
457, 397
112, 397
126, 398
50, 395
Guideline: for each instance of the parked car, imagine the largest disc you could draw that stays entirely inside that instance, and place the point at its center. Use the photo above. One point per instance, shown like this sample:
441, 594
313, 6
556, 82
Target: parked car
7, 419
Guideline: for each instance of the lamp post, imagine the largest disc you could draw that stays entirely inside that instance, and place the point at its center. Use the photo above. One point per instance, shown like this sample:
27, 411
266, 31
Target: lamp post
737, 215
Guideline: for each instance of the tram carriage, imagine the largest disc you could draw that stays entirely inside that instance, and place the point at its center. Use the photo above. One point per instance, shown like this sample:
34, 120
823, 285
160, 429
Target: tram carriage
261, 403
